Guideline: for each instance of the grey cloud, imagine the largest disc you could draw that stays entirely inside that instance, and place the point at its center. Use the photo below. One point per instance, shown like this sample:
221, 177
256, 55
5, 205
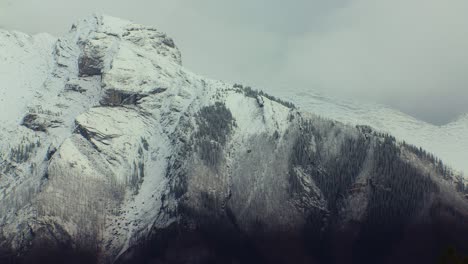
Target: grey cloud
410, 54
294, 17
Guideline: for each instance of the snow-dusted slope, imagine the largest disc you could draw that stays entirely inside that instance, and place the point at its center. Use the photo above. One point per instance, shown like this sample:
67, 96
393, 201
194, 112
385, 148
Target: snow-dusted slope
112, 147
449, 142
26, 63
65, 159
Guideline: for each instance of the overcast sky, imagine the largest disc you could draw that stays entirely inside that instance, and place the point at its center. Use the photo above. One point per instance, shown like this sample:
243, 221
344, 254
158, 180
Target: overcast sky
409, 54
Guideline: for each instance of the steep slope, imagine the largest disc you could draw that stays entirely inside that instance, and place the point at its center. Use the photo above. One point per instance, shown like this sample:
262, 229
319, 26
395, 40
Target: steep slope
124, 156
26, 63
448, 142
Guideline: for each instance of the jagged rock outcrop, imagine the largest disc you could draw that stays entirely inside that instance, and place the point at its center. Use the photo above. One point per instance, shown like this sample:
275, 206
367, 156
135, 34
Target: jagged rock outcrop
124, 156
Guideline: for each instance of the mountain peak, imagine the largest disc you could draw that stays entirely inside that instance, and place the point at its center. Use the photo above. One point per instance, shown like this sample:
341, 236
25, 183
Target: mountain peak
102, 23
103, 33
131, 58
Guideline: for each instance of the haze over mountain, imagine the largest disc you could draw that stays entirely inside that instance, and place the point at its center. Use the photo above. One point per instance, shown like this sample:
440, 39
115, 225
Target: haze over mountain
113, 152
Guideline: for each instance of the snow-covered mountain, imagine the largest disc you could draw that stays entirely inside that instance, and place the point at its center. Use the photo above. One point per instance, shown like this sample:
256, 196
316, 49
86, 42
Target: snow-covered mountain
449, 142
113, 152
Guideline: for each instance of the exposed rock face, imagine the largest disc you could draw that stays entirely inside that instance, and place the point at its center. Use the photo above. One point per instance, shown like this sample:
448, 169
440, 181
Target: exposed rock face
116, 98
95, 48
31, 121
153, 164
